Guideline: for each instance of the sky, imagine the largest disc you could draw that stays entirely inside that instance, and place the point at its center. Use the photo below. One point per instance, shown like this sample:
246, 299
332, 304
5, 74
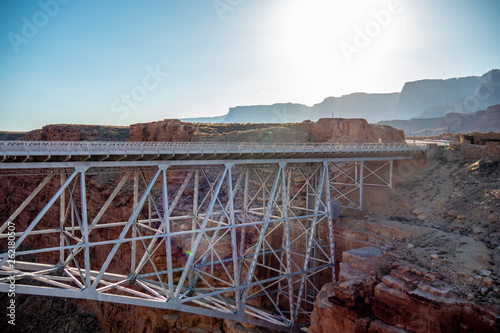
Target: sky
119, 62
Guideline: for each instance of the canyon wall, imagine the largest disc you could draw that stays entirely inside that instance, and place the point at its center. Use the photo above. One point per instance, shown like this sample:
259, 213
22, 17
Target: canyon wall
374, 296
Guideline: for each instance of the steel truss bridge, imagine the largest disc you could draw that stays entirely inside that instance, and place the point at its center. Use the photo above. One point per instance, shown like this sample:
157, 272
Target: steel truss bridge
231, 230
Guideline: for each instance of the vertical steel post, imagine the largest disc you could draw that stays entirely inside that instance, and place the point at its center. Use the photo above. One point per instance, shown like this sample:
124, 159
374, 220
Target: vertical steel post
166, 221
330, 220
245, 212
83, 194
286, 234
391, 172
149, 211
72, 208
361, 182
234, 243
134, 226
243, 229
195, 216
62, 218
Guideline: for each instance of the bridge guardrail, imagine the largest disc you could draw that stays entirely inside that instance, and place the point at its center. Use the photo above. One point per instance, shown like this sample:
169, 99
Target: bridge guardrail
19, 148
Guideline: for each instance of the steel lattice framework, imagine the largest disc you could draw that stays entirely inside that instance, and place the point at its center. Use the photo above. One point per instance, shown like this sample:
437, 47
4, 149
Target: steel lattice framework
239, 231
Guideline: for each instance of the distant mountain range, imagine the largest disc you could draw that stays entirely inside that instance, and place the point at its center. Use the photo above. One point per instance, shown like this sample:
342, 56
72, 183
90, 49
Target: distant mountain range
417, 100
481, 121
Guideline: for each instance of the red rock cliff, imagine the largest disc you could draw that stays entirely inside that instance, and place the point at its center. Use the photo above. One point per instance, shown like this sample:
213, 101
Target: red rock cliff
66, 132
354, 130
171, 130
404, 299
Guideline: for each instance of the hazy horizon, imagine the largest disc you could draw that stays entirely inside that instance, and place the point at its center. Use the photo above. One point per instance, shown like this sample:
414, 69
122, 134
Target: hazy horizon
64, 61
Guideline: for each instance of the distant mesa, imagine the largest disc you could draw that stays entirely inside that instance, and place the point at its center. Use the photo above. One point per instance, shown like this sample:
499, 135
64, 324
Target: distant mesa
481, 121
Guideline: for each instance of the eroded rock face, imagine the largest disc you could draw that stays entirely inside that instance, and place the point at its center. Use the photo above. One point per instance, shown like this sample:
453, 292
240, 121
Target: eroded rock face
67, 132
174, 130
168, 130
354, 130
408, 299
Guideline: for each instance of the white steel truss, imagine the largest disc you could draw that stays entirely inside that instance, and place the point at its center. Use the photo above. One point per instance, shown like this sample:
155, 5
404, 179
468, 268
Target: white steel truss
245, 240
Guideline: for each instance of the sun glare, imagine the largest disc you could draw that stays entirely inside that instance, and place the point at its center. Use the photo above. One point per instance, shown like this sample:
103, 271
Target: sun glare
315, 30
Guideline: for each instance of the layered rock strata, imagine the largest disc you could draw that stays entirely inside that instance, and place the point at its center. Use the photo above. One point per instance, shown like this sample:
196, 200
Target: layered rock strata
375, 297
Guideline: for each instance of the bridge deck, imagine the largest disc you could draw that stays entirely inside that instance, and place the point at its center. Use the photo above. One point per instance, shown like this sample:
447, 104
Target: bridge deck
70, 151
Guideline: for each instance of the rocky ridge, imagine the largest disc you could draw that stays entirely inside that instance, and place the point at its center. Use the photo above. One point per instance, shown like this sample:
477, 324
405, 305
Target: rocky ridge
481, 121
173, 130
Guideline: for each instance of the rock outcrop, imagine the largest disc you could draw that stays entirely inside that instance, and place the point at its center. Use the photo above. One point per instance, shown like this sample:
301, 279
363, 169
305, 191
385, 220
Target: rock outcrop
168, 130
65, 132
354, 130
476, 138
405, 299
